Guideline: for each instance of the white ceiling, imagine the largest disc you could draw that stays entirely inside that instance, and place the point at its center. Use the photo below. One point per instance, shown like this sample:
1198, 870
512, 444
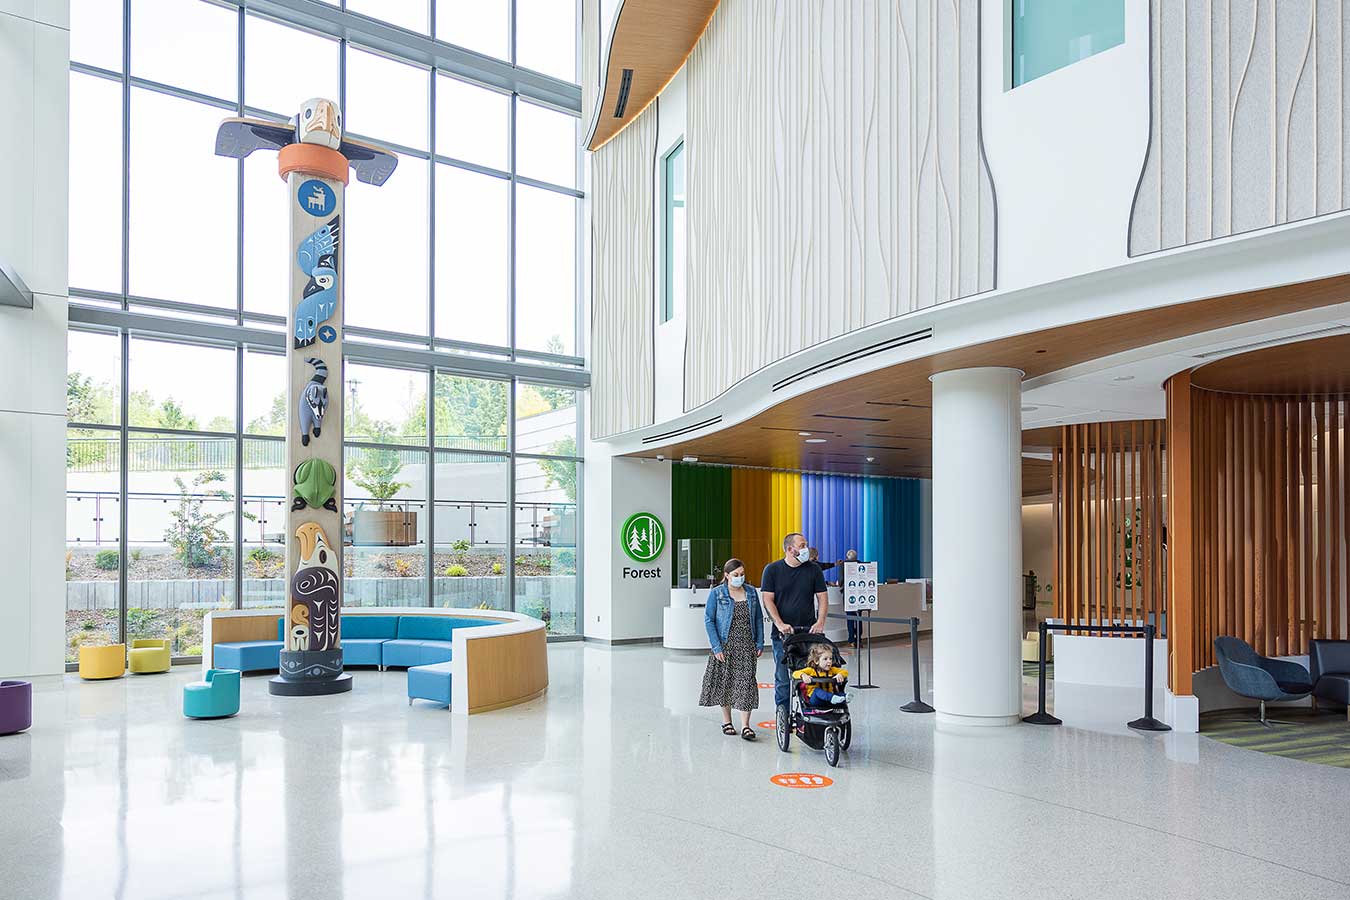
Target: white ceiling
1129, 385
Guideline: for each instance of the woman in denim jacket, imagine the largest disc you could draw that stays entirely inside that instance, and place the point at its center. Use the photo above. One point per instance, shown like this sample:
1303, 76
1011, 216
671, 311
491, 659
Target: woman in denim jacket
736, 636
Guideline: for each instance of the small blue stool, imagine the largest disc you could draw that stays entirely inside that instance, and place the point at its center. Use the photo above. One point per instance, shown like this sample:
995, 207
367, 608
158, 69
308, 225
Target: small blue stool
431, 682
215, 698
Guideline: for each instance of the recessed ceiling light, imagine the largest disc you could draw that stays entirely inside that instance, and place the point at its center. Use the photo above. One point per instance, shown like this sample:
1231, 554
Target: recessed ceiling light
1123, 378
691, 459
871, 459
1030, 408
804, 433
815, 440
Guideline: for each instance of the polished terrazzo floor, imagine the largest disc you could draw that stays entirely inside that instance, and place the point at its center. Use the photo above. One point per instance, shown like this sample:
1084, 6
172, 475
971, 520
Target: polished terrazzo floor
616, 786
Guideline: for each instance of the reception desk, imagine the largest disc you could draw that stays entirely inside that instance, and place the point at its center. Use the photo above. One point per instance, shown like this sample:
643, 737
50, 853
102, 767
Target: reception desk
683, 618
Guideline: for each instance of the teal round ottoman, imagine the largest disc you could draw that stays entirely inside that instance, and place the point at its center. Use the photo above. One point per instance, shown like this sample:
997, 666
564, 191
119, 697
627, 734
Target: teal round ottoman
215, 698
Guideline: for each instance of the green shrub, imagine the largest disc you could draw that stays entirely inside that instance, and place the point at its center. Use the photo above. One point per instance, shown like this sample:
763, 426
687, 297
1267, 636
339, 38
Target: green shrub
460, 546
520, 560
567, 558
261, 556
496, 568
456, 571
136, 555
107, 560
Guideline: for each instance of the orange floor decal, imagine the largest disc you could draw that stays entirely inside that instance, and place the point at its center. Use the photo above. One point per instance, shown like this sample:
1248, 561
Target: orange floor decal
804, 780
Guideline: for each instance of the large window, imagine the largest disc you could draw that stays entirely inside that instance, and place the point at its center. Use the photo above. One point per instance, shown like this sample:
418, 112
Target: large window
461, 459
1051, 34
673, 292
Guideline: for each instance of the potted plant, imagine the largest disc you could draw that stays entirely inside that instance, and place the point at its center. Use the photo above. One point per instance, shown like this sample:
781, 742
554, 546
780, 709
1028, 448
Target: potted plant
375, 472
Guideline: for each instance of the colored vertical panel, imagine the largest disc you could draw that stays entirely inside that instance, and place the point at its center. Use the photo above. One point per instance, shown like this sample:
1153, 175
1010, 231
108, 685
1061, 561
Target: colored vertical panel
752, 520
786, 504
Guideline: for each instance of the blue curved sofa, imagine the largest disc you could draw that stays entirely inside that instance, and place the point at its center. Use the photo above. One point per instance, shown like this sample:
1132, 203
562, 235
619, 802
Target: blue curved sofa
382, 641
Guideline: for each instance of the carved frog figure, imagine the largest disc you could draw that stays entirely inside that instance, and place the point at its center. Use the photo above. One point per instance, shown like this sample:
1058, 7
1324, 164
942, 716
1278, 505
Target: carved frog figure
315, 480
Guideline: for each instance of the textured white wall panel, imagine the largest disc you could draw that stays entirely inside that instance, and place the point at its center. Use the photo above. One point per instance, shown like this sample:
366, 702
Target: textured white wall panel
622, 301
1249, 125
836, 177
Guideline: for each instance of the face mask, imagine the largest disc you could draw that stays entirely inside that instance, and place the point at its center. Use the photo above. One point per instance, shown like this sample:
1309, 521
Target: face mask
804, 554
736, 580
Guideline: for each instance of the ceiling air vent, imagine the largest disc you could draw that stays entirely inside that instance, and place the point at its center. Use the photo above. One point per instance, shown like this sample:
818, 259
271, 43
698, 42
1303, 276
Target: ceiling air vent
625, 84
854, 355
679, 431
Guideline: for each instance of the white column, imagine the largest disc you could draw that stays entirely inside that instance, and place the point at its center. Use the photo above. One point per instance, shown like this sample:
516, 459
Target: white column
977, 546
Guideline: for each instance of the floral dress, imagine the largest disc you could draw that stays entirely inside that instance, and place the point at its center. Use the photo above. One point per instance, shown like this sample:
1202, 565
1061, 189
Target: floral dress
733, 681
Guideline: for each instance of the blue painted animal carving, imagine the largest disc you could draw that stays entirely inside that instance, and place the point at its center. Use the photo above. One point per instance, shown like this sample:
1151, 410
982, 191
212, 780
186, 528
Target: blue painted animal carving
313, 400
317, 257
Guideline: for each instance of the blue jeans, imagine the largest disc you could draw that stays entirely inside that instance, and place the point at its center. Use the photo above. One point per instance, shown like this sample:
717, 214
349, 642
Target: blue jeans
822, 698
782, 678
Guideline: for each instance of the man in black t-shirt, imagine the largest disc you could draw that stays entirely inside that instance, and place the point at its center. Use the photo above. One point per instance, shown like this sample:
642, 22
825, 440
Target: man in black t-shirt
793, 593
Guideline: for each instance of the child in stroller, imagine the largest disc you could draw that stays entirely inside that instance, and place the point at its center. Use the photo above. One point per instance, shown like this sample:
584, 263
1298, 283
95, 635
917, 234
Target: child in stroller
820, 668
818, 709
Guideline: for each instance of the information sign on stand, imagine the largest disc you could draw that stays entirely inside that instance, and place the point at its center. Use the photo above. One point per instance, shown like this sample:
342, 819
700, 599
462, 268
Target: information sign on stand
860, 596
860, 586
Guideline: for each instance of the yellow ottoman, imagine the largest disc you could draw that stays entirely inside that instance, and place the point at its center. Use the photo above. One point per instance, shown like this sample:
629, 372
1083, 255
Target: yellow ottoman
103, 662
1031, 648
149, 656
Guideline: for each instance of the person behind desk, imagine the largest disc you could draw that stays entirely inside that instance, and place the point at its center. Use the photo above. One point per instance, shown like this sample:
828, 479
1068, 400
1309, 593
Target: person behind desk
850, 556
793, 593
815, 558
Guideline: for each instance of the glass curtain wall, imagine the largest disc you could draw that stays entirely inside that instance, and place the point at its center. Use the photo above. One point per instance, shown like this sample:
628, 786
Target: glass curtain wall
462, 452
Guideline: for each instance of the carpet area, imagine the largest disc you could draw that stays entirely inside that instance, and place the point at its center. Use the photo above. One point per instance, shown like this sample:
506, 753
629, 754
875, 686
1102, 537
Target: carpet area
1319, 737
1033, 670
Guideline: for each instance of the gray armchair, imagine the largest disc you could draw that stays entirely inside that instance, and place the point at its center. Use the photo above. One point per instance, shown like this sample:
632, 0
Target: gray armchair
1249, 674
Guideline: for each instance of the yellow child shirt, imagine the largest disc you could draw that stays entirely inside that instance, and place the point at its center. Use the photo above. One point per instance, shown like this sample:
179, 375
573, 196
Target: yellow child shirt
811, 672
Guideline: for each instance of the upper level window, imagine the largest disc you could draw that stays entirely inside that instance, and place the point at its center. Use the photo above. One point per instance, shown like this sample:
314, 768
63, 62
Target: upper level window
1051, 34
675, 232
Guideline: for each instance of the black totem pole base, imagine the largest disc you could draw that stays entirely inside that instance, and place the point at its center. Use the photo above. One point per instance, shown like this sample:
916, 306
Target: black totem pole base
281, 686
310, 673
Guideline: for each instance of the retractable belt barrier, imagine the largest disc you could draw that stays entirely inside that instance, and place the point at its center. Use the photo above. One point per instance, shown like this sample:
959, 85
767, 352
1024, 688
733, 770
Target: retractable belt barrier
1147, 722
916, 705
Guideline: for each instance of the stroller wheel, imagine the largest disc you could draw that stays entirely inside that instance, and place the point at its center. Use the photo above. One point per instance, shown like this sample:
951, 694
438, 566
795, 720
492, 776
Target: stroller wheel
845, 735
832, 745
783, 728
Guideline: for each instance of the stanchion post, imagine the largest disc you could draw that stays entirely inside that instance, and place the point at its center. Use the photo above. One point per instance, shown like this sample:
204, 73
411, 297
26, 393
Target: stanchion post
1040, 716
916, 705
1147, 722
868, 685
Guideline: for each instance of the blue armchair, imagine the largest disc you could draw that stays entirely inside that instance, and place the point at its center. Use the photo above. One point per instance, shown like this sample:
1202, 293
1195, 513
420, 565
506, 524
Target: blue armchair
1249, 674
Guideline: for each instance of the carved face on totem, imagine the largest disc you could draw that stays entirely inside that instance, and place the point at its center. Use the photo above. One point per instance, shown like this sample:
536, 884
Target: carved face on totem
319, 122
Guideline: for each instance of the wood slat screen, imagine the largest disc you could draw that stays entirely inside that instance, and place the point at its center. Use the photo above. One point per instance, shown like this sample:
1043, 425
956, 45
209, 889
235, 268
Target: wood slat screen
1271, 505
1108, 511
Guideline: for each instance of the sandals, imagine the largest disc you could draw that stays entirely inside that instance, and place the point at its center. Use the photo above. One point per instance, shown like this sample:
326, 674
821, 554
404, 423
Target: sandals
748, 734
728, 729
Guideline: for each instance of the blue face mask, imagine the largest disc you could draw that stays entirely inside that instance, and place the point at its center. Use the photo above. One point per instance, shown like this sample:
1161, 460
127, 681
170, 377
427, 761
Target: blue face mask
736, 580
804, 554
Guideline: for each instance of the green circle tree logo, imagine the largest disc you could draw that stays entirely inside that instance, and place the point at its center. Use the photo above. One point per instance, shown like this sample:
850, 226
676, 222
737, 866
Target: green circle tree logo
643, 537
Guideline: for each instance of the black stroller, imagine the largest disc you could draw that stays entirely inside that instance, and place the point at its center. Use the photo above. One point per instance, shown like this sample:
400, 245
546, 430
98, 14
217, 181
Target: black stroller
829, 729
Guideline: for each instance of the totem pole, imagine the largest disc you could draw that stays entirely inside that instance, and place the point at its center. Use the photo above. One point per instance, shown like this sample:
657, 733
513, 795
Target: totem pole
313, 159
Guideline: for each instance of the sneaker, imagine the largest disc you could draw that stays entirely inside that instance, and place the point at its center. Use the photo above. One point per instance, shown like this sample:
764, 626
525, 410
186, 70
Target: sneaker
837, 699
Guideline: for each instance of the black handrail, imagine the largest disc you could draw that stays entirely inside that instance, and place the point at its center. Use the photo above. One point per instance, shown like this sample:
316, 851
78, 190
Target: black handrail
1145, 723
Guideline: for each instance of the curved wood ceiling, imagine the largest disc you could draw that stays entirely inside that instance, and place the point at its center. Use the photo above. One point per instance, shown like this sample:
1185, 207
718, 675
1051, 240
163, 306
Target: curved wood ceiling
1313, 368
651, 40
886, 414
